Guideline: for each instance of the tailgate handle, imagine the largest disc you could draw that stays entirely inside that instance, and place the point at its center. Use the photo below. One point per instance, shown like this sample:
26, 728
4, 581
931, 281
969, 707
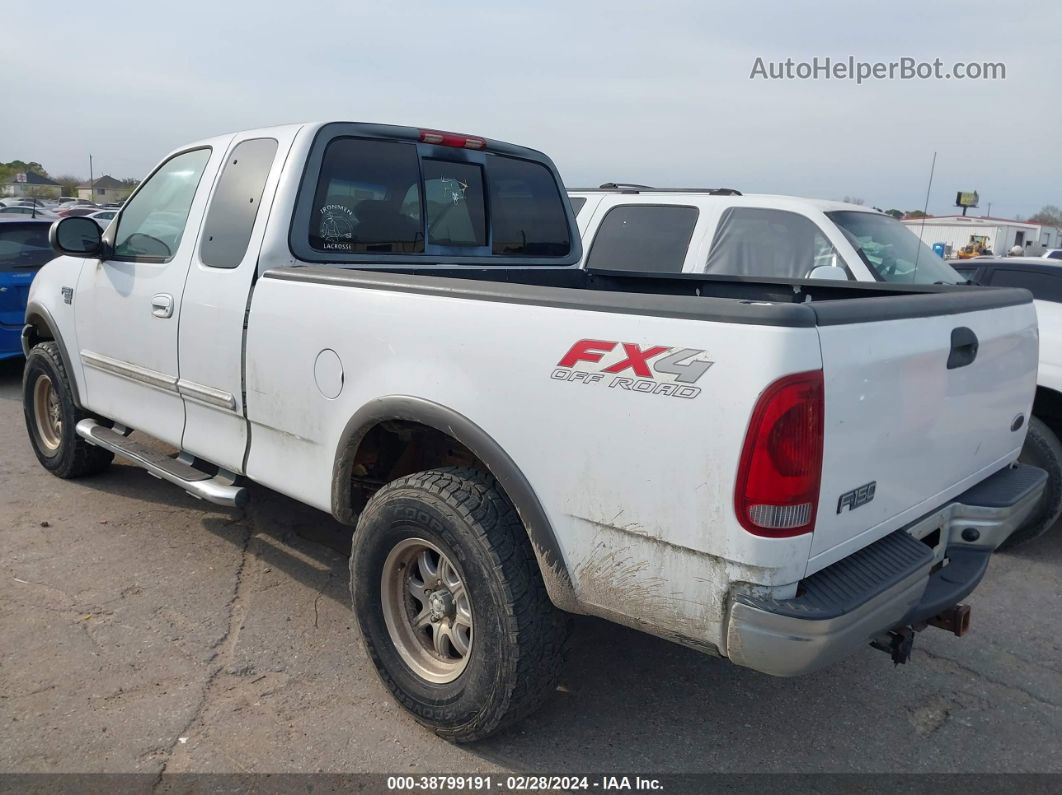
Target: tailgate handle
963, 347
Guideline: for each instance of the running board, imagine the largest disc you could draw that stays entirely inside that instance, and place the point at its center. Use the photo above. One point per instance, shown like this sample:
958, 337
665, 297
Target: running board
219, 489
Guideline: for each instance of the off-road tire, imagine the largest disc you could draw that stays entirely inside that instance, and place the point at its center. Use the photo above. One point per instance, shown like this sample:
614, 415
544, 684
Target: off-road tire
519, 636
1042, 449
73, 457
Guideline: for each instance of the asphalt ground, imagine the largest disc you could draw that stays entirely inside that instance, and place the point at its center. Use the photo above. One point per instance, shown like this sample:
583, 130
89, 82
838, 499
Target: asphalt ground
144, 631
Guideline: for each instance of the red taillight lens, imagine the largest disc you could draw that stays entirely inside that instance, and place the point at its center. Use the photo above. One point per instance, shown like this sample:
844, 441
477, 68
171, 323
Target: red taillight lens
778, 479
452, 139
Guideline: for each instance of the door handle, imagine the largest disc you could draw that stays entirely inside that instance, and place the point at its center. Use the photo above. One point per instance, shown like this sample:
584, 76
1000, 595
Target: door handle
162, 305
963, 347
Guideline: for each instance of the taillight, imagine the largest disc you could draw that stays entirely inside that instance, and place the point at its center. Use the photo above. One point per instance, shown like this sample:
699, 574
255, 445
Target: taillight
780, 470
452, 139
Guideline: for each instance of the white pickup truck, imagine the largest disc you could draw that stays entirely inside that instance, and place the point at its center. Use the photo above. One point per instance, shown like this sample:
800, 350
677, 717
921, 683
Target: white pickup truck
390, 324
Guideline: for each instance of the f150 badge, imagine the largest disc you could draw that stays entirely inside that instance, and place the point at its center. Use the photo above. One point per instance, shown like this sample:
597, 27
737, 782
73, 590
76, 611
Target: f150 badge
856, 497
655, 369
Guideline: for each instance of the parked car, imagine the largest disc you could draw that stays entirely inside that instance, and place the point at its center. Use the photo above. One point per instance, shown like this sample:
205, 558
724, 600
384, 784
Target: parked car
1043, 447
723, 232
68, 199
24, 248
76, 211
102, 217
390, 324
1052, 253
27, 211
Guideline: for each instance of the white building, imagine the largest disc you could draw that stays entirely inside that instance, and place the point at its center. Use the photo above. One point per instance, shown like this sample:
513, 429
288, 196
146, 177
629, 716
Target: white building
998, 234
29, 184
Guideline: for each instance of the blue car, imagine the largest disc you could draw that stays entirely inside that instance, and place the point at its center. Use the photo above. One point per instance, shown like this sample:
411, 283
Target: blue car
23, 249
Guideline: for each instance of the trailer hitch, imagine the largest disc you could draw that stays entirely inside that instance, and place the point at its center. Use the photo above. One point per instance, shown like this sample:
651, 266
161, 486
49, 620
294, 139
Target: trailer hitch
956, 620
897, 643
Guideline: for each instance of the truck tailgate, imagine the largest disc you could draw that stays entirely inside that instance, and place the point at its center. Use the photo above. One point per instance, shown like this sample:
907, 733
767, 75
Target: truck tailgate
909, 424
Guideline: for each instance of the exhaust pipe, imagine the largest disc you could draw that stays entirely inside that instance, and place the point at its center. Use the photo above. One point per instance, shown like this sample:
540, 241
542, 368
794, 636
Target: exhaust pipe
956, 620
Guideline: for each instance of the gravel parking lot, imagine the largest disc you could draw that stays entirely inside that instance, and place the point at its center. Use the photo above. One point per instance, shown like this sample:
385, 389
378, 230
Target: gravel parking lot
144, 631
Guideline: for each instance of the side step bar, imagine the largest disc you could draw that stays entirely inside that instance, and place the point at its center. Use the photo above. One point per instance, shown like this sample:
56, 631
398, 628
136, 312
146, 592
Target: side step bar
219, 489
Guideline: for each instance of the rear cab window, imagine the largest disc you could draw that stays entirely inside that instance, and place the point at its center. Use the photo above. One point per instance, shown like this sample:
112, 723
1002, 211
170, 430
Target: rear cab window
395, 199
643, 238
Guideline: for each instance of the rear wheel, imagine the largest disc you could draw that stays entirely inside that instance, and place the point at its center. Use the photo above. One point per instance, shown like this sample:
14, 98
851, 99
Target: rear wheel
451, 604
51, 416
1042, 449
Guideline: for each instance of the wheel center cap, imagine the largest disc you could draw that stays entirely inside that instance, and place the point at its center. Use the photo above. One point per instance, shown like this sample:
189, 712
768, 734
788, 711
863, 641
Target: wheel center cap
441, 605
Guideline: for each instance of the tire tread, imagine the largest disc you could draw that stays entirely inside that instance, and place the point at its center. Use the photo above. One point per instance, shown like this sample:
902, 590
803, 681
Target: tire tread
536, 629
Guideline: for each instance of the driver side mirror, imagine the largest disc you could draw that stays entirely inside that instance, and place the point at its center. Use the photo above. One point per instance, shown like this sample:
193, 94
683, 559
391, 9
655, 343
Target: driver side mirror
76, 237
829, 272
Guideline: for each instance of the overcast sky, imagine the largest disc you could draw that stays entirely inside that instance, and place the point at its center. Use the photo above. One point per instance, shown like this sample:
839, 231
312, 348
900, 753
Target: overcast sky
652, 92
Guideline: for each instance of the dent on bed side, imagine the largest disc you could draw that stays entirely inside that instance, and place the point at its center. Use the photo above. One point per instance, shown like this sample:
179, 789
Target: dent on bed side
399, 408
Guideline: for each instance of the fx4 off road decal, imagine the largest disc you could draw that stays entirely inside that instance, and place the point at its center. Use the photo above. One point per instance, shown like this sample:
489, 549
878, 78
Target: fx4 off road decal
655, 369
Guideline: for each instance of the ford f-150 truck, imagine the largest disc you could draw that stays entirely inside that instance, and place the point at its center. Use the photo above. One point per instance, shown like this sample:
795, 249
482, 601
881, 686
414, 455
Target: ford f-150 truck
390, 324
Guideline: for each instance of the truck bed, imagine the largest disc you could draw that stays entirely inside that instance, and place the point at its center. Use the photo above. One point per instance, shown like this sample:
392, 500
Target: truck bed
757, 301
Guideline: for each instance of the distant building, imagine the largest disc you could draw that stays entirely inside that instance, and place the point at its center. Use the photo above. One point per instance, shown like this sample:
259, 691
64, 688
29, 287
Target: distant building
998, 234
31, 185
104, 190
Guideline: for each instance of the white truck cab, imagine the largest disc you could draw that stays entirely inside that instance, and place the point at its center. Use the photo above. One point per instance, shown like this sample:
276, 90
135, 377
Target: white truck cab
720, 231
390, 324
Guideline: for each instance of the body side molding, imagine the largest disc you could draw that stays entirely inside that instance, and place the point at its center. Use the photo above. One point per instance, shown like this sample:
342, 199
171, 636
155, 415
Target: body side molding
502, 467
190, 390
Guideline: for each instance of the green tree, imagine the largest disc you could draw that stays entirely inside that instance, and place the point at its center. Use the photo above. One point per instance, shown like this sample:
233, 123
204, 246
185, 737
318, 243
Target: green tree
69, 183
897, 214
8, 170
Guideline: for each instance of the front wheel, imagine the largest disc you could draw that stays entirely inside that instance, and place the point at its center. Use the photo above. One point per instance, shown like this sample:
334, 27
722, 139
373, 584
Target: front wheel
451, 604
1042, 449
51, 416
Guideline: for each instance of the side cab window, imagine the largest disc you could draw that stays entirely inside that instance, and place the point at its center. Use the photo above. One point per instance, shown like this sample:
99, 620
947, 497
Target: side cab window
152, 222
643, 238
234, 206
1044, 285
759, 241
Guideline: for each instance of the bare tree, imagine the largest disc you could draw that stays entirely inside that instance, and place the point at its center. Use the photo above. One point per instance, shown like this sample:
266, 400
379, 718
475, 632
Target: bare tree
1049, 215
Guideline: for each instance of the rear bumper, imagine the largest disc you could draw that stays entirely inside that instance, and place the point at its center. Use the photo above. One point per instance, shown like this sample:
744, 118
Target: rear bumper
907, 577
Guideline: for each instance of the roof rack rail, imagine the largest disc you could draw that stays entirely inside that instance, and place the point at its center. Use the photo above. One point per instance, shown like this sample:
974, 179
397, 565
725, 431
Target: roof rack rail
624, 186
631, 187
